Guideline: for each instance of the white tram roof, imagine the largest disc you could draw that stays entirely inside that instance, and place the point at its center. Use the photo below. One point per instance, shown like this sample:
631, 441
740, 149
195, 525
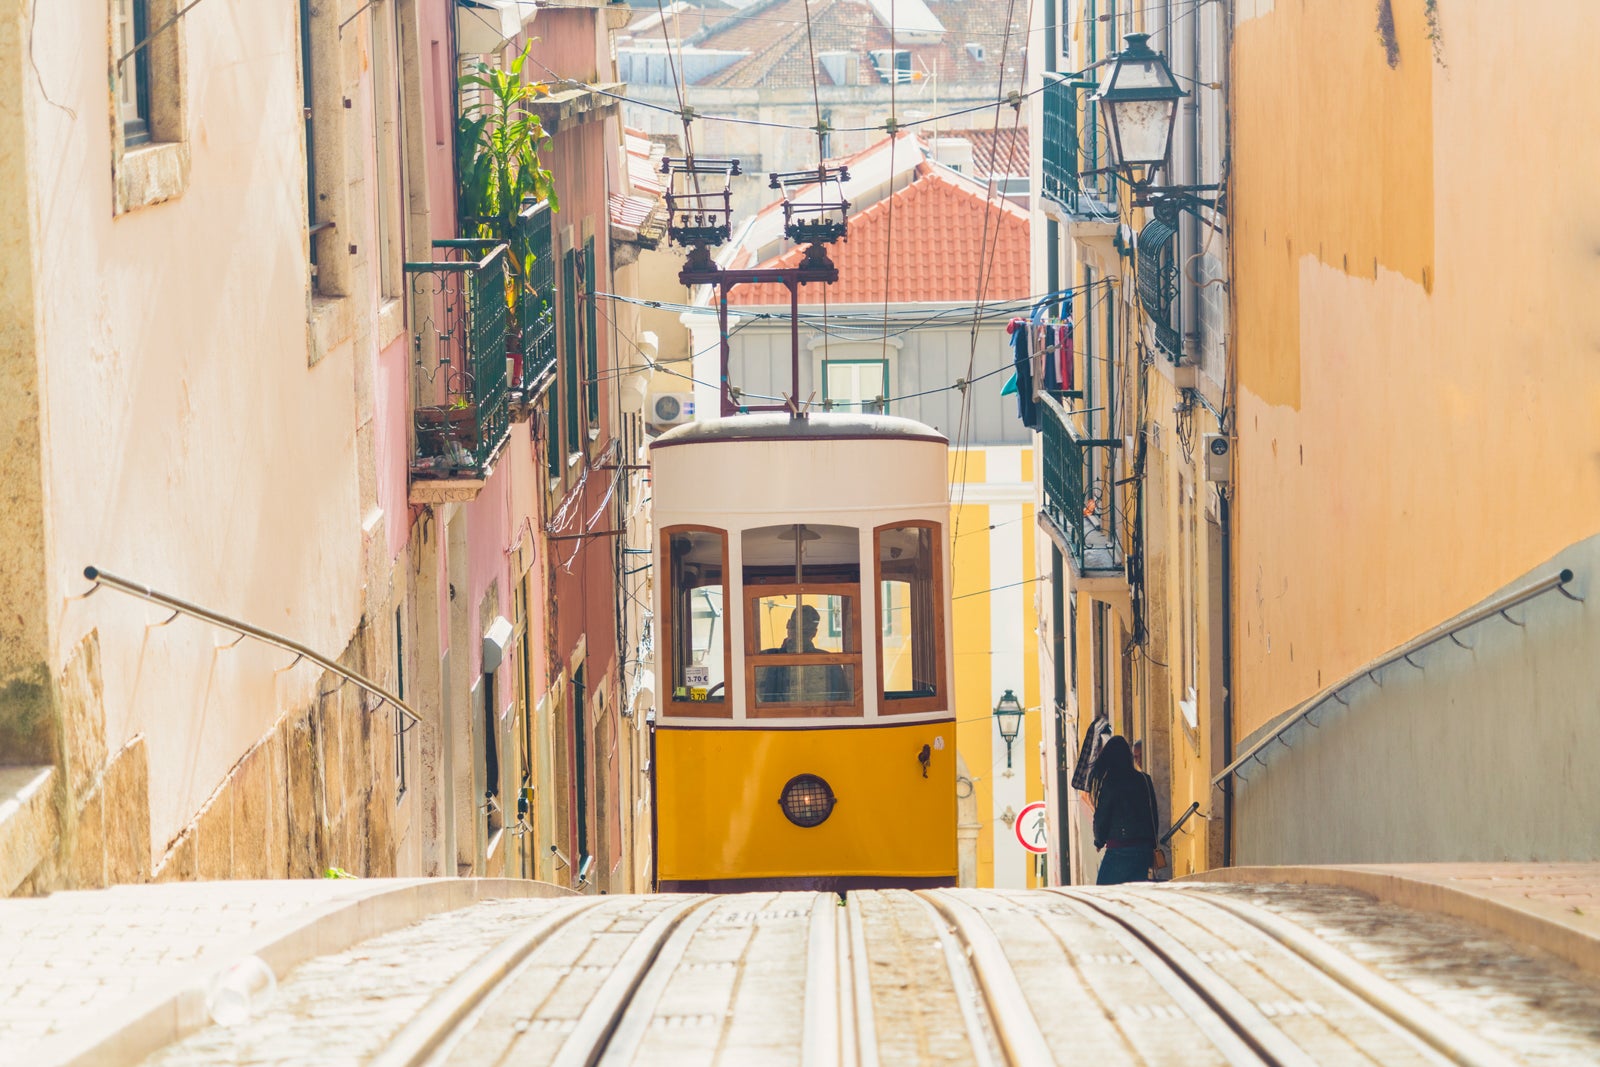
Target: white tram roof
777, 426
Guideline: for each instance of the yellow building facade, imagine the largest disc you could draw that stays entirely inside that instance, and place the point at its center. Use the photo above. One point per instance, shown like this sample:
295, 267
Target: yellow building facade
1330, 419
1418, 424
994, 591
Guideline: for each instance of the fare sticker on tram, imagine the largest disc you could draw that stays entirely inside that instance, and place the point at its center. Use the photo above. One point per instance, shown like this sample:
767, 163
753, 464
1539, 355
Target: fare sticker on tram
1032, 829
697, 679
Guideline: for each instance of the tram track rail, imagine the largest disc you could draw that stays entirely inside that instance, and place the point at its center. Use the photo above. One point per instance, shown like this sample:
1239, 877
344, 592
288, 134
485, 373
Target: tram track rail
669, 979
1010, 1023
1401, 1010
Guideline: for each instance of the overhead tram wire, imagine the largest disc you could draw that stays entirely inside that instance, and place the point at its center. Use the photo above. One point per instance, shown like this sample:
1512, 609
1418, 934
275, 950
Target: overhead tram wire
1191, 4
574, 83
674, 67
894, 142
816, 101
964, 422
957, 310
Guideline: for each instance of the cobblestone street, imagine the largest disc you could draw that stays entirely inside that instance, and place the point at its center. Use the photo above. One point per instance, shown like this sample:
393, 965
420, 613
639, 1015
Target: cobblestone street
121, 976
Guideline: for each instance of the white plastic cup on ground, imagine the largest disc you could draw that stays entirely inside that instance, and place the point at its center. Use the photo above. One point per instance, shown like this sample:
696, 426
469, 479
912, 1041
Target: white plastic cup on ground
241, 992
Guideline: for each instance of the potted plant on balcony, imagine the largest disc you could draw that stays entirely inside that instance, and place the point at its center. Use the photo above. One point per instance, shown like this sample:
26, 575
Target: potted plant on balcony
498, 142
447, 434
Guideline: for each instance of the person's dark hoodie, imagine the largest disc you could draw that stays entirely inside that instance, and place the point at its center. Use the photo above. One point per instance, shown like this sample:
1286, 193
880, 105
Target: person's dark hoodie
1124, 797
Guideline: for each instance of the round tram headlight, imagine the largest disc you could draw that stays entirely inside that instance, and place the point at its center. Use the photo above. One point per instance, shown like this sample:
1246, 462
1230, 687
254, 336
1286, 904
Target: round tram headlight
807, 800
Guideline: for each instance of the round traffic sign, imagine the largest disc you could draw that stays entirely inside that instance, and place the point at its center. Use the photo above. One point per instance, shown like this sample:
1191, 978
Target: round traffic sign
1032, 829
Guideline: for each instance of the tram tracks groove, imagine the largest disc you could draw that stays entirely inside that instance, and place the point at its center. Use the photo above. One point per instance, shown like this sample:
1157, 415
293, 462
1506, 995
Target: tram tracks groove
447, 1011
1012, 1026
1245, 1037
1401, 1008
428, 1039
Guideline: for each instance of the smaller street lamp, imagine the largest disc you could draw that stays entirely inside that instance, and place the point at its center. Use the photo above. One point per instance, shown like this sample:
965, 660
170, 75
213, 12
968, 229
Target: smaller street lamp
1008, 719
1140, 101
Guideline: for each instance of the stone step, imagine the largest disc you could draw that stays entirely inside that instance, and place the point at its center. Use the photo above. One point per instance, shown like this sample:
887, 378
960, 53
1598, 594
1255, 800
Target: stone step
28, 824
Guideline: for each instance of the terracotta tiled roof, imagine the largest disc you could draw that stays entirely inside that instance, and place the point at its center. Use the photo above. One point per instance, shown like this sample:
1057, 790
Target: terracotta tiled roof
773, 32
1002, 151
938, 233
683, 20
644, 163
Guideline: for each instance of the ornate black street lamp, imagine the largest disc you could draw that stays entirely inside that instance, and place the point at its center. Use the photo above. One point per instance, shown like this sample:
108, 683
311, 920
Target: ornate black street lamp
1008, 719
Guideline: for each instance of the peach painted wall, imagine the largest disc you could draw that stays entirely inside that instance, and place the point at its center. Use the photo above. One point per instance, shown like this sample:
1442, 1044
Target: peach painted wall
1418, 396
187, 443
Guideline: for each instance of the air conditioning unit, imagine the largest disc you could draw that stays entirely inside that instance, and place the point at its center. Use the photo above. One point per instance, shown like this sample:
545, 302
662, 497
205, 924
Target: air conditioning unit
1218, 457
670, 409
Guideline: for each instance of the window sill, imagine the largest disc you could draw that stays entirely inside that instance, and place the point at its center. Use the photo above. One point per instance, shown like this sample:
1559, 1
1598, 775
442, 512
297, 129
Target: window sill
391, 321
150, 174
327, 326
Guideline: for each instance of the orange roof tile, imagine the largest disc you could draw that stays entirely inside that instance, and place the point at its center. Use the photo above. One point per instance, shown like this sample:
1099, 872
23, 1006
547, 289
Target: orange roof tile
938, 246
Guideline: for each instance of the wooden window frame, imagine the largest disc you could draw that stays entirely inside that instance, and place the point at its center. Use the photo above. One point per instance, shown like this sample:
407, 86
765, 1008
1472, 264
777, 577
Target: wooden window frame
941, 699
754, 657
693, 709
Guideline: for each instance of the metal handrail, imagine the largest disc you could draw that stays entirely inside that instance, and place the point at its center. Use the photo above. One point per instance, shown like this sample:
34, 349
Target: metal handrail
1444, 631
184, 607
1193, 808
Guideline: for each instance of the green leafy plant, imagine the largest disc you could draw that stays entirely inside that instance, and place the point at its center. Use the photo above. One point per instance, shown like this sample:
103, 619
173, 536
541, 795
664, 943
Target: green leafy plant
498, 144
338, 872
497, 149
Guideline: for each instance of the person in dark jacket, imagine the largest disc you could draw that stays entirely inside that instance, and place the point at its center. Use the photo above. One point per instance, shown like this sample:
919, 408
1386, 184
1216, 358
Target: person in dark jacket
1124, 815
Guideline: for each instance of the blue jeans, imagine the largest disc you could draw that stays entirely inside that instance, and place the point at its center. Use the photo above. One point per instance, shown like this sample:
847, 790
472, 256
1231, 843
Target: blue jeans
1121, 865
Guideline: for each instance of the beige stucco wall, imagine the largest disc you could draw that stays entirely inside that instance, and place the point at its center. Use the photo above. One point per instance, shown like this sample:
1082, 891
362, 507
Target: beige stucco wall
185, 441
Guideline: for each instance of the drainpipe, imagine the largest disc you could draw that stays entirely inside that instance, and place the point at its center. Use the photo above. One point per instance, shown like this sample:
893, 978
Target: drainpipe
1225, 513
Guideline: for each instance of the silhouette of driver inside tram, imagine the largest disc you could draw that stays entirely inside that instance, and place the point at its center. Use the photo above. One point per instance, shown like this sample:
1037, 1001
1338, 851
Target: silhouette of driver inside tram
820, 683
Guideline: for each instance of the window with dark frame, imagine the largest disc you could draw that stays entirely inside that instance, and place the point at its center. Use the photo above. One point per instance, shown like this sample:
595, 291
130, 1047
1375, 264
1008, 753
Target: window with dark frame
571, 337
591, 343
133, 72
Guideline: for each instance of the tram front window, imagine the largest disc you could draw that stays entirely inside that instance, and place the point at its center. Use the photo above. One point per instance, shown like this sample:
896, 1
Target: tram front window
698, 629
803, 629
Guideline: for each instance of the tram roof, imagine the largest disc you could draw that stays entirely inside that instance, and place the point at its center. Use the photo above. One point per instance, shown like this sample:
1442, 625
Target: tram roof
817, 427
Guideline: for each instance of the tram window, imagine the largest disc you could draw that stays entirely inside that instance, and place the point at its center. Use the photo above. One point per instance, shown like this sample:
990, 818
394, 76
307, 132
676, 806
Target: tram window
802, 554
798, 664
803, 627
911, 630
698, 634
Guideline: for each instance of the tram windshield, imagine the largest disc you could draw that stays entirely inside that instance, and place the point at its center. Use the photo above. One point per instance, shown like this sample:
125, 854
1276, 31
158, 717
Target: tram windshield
802, 587
698, 633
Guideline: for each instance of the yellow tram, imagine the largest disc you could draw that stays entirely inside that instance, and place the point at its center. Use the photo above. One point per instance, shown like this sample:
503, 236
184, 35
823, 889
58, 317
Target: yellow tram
804, 734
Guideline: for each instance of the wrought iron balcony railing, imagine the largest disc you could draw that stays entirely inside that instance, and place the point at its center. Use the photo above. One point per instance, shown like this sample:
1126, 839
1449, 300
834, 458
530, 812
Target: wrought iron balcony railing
536, 299
459, 326
1079, 497
1076, 170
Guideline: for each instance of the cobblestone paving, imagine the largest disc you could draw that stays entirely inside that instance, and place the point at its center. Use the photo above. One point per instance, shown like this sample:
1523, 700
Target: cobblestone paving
65, 956
341, 1009
1537, 1007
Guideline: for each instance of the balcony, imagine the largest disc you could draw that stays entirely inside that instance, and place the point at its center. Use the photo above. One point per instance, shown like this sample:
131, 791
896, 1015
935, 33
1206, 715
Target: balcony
1081, 511
1076, 178
462, 414
536, 303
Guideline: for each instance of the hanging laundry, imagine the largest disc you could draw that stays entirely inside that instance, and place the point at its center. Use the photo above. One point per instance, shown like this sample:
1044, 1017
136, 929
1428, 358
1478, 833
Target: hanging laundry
1064, 360
1022, 363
